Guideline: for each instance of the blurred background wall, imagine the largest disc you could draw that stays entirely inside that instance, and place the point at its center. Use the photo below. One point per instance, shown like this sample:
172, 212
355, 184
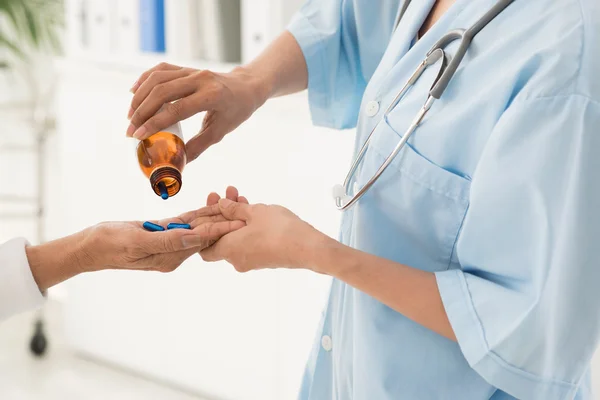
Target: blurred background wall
203, 331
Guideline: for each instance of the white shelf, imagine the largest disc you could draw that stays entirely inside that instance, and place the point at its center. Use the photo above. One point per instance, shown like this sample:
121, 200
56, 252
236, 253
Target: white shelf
134, 64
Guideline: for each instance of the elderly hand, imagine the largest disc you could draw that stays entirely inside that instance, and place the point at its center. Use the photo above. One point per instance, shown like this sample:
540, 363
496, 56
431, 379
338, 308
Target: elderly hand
228, 98
127, 245
273, 237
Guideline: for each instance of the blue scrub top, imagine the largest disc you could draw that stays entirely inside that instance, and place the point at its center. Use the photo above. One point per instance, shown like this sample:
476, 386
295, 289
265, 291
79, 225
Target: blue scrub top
498, 194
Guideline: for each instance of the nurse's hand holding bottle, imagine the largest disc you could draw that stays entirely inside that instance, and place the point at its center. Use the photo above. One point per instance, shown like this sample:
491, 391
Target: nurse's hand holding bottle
228, 98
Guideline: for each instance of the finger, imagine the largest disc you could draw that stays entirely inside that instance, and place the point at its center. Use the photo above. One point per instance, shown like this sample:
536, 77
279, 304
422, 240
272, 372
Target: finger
160, 67
213, 199
210, 231
158, 95
171, 114
167, 221
167, 241
242, 199
199, 144
190, 216
155, 78
210, 134
174, 240
209, 210
191, 219
213, 253
232, 193
149, 118
207, 219
210, 254
205, 214
233, 210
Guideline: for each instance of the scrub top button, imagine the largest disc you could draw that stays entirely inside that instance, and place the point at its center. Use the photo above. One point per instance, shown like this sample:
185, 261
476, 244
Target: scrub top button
326, 343
372, 108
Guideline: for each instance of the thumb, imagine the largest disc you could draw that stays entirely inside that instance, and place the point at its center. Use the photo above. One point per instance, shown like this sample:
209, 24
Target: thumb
233, 210
169, 241
176, 240
211, 133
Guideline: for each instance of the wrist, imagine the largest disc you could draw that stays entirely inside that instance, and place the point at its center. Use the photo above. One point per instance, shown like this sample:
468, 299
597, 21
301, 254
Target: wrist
85, 252
35, 258
262, 84
323, 254
55, 262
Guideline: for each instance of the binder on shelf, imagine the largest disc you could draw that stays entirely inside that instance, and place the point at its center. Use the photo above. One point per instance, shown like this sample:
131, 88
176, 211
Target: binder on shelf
262, 22
127, 27
256, 32
100, 26
152, 25
77, 17
220, 21
183, 36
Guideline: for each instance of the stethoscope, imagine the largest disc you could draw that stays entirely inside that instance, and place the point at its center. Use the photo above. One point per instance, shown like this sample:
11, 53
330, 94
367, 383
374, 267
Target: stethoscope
447, 70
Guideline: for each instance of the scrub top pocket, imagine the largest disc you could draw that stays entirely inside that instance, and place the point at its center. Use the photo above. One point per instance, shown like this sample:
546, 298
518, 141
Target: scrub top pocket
413, 213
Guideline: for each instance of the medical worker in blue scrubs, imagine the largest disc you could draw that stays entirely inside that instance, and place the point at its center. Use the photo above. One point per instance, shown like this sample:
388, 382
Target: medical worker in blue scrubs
470, 270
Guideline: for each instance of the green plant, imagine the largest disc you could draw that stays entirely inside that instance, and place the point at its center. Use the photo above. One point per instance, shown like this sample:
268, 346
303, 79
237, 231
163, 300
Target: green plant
30, 25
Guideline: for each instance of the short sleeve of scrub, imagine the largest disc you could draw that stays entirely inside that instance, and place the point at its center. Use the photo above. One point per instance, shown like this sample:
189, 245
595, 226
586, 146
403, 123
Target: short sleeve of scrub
342, 41
524, 303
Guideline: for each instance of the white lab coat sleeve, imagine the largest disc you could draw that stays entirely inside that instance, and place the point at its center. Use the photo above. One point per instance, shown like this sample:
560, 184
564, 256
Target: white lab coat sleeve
343, 42
525, 304
18, 290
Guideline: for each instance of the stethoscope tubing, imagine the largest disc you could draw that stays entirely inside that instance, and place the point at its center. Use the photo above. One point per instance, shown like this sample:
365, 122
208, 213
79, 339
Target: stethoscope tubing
446, 73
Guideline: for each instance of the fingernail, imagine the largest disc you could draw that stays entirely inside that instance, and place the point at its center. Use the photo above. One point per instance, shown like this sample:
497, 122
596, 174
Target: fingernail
130, 130
130, 113
134, 87
141, 131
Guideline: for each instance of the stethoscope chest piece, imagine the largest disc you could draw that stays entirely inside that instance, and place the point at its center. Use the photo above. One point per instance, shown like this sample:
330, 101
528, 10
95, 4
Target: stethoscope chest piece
339, 195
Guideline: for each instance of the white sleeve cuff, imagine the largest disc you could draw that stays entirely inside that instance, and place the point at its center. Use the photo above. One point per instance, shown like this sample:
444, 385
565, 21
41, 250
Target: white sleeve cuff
18, 290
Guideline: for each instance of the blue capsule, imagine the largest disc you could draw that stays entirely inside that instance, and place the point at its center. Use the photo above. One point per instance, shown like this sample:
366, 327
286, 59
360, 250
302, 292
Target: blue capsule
163, 190
152, 227
173, 225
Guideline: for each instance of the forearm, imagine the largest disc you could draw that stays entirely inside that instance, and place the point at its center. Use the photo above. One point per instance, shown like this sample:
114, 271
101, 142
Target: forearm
54, 262
410, 291
281, 67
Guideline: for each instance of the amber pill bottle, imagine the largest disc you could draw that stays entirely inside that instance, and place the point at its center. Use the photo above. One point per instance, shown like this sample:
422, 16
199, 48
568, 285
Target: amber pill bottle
162, 159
